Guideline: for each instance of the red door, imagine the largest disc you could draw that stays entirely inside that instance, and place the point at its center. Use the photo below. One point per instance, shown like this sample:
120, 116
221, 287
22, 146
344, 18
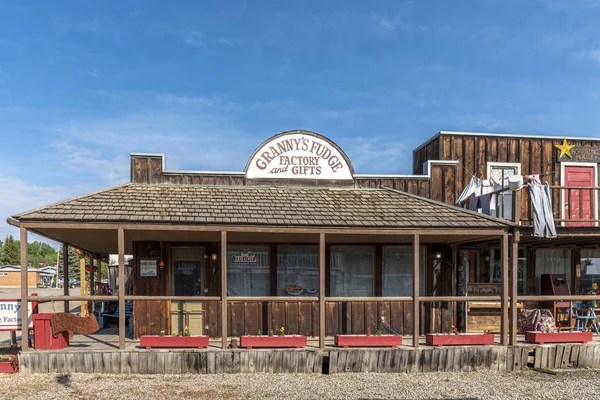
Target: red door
579, 203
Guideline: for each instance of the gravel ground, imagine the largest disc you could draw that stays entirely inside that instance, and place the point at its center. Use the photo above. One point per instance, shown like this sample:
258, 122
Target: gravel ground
573, 384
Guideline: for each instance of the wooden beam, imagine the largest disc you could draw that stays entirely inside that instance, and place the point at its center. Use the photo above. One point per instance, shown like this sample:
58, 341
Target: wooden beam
322, 291
224, 289
416, 318
122, 315
422, 231
24, 291
65, 249
17, 224
505, 291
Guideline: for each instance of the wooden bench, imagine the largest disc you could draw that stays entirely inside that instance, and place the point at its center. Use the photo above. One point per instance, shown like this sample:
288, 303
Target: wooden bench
128, 316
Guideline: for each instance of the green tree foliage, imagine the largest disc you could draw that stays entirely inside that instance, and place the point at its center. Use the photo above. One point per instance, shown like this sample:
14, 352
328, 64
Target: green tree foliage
41, 254
10, 252
73, 261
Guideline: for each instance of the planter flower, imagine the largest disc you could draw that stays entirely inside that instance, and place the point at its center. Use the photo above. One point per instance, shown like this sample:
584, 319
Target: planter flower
455, 338
282, 340
368, 340
9, 364
558, 337
183, 339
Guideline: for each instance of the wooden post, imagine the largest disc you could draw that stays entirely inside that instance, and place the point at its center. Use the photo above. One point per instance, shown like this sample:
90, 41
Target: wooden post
416, 302
224, 289
65, 248
515, 268
82, 288
94, 260
504, 280
24, 291
122, 316
322, 291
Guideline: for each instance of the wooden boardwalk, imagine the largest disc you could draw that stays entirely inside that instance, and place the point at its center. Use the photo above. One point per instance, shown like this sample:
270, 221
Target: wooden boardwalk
99, 353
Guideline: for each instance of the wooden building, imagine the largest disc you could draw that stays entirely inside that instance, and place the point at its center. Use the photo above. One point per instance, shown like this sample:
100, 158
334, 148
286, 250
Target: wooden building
297, 240
10, 276
570, 167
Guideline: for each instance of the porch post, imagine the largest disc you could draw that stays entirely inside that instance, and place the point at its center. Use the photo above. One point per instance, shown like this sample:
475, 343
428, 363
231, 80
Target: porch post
122, 316
24, 291
504, 312
416, 303
322, 291
65, 249
224, 289
82, 287
514, 241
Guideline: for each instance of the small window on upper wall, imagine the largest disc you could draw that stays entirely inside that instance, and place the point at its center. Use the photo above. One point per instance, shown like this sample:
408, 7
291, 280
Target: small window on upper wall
501, 206
500, 172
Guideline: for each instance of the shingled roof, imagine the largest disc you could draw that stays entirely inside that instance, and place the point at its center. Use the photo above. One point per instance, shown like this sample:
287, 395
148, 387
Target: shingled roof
308, 207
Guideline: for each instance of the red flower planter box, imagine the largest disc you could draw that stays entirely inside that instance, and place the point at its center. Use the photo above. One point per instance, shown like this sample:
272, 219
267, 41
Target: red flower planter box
149, 341
297, 341
558, 337
346, 341
9, 367
447, 339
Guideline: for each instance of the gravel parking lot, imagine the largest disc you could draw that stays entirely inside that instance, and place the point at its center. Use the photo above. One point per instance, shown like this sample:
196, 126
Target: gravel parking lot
573, 384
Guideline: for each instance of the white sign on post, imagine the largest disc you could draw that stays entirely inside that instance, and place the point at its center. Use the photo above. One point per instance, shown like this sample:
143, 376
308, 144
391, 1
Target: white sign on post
298, 156
10, 315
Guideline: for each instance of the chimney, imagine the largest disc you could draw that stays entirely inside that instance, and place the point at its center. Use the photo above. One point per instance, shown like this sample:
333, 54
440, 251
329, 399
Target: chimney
147, 168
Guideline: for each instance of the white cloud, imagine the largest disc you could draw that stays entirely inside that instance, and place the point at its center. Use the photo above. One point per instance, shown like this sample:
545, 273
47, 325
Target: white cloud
18, 195
591, 54
384, 23
194, 38
93, 72
377, 155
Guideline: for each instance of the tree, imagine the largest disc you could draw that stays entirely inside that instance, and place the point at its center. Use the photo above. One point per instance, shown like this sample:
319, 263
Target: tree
10, 252
41, 253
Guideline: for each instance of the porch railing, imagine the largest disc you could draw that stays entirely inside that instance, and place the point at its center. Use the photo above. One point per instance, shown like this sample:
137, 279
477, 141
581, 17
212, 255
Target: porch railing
423, 301
575, 206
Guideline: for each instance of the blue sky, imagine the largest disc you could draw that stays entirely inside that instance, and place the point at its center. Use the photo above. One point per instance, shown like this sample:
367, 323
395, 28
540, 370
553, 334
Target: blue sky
83, 84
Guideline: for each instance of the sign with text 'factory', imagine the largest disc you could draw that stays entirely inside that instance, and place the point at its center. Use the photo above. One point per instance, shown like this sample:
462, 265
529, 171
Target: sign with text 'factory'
299, 155
10, 315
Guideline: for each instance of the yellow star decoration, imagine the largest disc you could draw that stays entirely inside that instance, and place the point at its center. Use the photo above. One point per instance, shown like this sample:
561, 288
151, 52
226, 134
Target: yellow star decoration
565, 149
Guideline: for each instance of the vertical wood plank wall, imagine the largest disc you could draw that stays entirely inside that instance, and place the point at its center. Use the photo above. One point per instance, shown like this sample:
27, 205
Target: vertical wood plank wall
536, 156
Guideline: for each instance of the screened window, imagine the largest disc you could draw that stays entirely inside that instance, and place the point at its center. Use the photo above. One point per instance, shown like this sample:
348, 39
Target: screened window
590, 269
552, 261
248, 271
352, 271
398, 270
297, 270
499, 173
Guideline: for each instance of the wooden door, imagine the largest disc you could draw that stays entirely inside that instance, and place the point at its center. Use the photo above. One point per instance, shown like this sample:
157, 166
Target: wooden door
189, 279
579, 204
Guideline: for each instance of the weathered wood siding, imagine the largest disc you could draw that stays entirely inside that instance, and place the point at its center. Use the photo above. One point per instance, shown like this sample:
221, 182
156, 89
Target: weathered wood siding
210, 361
150, 317
173, 361
536, 156
440, 186
429, 151
246, 318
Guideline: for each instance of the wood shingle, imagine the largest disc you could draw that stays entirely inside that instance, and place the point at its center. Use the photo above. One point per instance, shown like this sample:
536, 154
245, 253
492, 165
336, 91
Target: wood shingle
243, 205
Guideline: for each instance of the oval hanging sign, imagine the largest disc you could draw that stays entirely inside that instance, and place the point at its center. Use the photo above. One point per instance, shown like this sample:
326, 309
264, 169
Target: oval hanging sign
299, 155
